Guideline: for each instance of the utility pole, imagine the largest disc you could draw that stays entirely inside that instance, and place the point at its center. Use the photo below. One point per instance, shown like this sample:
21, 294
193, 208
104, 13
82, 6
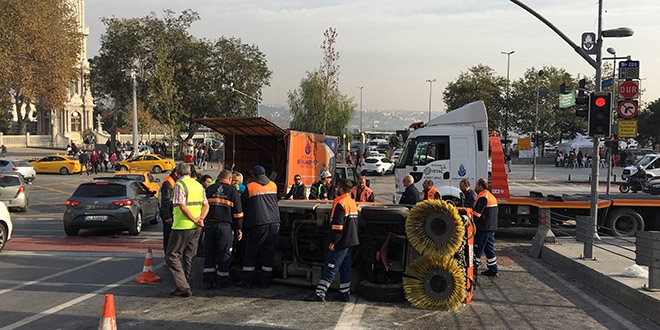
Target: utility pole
430, 94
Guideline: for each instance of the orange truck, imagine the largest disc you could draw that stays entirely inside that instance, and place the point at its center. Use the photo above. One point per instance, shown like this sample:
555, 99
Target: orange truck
284, 153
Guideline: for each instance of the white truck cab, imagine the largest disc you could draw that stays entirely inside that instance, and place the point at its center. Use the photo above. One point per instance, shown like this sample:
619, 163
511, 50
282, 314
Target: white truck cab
448, 149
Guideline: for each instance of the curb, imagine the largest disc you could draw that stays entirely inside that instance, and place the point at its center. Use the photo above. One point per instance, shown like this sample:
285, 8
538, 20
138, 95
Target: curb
635, 299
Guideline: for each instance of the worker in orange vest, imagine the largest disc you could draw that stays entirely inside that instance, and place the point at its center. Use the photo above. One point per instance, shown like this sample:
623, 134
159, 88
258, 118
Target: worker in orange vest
429, 191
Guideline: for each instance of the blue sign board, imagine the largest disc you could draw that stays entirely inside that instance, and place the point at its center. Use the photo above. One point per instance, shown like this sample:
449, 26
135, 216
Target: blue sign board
607, 82
629, 70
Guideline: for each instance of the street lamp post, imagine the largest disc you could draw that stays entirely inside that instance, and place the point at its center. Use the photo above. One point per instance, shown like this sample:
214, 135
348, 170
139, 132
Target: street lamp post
361, 132
254, 98
536, 124
508, 98
430, 81
132, 74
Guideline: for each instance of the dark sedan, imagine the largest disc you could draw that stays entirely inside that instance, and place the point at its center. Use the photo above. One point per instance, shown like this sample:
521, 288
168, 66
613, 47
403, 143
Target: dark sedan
110, 203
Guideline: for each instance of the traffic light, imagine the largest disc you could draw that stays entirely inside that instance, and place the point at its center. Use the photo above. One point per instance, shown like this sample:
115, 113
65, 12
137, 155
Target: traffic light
600, 112
581, 98
533, 138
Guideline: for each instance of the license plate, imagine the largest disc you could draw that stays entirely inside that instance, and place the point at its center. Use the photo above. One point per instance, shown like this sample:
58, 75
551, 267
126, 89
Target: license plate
96, 217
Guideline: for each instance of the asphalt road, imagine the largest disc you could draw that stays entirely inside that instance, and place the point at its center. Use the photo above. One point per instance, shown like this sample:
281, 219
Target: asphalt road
50, 281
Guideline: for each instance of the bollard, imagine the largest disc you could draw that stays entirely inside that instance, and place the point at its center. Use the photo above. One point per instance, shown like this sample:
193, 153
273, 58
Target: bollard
569, 177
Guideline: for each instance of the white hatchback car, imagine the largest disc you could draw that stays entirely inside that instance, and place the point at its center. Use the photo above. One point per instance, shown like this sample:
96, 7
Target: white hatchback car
6, 226
377, 165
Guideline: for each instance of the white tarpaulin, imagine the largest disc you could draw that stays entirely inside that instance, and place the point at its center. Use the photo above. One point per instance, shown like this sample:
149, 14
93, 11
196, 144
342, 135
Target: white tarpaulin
580, 142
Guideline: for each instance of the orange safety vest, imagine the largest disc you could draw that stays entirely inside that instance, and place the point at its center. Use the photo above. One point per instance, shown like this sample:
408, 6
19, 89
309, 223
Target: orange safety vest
364, 195
431, 194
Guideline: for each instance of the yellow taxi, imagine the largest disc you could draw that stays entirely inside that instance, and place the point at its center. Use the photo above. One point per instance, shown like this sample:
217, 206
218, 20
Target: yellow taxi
149, 162
61, 164
141, 176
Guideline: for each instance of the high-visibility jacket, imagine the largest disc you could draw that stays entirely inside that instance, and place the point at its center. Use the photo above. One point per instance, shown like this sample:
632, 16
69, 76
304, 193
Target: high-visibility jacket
432, 193
344, 224
366, 195
260, 203
485, 211
195, 195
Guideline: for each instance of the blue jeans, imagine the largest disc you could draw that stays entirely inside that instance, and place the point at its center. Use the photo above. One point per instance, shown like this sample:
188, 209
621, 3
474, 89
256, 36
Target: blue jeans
260, 240
218, 245
336, 261
484, 241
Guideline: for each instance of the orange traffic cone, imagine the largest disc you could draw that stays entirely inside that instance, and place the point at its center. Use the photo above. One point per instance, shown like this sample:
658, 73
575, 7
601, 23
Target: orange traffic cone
108, 320
148, 275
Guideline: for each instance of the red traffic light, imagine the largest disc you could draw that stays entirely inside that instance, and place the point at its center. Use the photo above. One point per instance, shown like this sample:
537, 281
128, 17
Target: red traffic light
600, 102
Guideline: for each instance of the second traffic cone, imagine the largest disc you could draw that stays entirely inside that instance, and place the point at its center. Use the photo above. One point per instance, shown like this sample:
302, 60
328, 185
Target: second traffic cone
148, 275
108, 320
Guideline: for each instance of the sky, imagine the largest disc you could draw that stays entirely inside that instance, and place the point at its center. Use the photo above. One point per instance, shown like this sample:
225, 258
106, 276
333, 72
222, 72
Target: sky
391, 48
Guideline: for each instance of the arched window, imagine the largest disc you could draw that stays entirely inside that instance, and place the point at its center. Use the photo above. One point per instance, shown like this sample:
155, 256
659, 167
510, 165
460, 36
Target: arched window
76, 122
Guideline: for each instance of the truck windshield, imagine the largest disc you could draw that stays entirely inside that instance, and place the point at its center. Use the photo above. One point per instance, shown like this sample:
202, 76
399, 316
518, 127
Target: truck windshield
425, 149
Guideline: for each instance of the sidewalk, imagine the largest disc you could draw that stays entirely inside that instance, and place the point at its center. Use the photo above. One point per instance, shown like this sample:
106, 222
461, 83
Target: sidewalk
604, 271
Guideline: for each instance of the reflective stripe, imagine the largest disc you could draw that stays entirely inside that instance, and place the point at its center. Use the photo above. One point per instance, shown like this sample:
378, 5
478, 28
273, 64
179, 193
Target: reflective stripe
345, 290
238, 215
267, 269
221, 201
209, 269
223, 274
491, 262
345, 285
248, 269
331, 265
324, 283
337, 227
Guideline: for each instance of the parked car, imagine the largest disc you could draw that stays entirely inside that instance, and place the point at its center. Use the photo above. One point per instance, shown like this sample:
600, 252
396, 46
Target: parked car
650, 163
396, 154
140, 176
6, 226
61, 164
378, 165
13, 191
633, 156
19, 166
149, 162
110, 203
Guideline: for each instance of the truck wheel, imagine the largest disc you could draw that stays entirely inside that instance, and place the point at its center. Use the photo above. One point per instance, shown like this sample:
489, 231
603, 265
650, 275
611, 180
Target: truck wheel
625, 222
435, 228
381, 292
384, 213
435, 283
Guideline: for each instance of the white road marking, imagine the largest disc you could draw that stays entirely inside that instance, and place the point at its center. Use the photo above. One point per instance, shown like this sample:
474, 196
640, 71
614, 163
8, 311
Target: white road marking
350, 316
68, 304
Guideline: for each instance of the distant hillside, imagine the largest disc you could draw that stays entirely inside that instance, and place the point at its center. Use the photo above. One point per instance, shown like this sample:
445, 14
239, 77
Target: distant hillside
372, 120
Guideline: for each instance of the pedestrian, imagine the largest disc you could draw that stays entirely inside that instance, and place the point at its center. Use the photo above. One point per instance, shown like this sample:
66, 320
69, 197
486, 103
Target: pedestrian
261, 225
166, 207
362, 193
113, 159
470, 197
507, 159
106, 159
411, 194
200, 157
342, 237
429, 191
4, 150
83, 158
94, 160
321, 189
222, 223
190, 209
297, 190
485, 212
237, 181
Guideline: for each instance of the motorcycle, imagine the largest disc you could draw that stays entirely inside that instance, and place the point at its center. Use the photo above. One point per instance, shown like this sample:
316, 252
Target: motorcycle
634, 185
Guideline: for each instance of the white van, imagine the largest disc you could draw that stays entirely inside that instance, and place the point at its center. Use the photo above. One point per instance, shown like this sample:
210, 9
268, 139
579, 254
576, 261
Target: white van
650, 163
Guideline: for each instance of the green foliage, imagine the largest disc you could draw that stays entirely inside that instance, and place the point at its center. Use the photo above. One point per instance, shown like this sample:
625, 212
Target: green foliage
39, 51
647, 122
317, 105
180, 76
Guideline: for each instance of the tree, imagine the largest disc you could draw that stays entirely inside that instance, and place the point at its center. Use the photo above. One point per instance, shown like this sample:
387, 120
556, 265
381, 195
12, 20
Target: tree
647, 121
479, 83
317, 105
39, 50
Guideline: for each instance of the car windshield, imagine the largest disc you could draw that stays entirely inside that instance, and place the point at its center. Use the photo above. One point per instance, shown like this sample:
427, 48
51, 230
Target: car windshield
100, 189
130, 177
9, 181
645, 160
22, 164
